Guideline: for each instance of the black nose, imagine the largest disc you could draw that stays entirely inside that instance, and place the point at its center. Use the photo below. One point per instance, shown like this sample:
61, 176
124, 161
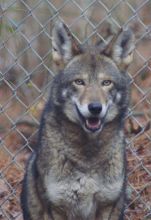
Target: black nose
95, 108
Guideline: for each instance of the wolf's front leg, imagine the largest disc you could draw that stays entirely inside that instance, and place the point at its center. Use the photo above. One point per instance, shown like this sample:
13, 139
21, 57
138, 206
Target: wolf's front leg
30, 200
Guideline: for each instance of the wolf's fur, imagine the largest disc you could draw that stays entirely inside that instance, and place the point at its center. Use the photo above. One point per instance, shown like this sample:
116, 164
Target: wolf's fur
78, 171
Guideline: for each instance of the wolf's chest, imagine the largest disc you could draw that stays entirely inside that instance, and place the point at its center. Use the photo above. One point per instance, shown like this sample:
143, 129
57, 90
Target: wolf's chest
81, 193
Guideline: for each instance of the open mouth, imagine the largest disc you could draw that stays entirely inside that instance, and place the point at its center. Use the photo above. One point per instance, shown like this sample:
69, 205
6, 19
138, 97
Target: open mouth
92, 123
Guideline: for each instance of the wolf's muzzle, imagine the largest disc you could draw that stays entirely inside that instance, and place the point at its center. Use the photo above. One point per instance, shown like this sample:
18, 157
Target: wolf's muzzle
91, 122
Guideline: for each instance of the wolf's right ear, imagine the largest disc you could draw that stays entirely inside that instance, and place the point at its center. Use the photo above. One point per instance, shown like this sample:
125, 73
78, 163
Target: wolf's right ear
121, 47
64, 46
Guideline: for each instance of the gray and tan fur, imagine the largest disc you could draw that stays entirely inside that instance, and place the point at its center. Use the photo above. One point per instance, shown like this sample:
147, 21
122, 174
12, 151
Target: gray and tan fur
78, 170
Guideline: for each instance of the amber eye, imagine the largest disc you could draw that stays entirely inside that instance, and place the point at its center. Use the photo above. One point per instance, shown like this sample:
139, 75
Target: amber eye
107, 82
79, 82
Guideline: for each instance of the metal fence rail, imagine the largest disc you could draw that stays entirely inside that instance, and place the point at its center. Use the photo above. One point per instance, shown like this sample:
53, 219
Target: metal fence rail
26, 70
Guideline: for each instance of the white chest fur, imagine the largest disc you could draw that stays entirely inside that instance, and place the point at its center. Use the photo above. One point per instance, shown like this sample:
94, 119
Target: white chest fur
81, 193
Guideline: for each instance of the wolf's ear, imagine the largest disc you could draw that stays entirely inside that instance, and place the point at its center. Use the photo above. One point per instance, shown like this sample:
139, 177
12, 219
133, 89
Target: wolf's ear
120, 48
64, 46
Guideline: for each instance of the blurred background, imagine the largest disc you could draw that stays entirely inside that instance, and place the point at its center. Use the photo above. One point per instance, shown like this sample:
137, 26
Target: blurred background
26, 70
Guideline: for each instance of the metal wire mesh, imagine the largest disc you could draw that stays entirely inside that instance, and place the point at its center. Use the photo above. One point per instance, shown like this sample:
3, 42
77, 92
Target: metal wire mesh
26, 69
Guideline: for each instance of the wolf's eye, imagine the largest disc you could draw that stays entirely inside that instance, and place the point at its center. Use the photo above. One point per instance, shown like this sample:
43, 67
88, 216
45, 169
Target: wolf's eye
106, 82
79, 82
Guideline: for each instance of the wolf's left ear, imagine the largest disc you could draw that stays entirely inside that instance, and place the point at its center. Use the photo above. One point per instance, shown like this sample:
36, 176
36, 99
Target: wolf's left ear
120, 48
64, 46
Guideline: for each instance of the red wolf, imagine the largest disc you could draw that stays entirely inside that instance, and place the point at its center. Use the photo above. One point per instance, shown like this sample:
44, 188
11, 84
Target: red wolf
78, 171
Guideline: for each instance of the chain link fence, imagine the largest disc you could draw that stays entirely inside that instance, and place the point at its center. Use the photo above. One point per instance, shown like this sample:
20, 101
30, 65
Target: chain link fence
26, 70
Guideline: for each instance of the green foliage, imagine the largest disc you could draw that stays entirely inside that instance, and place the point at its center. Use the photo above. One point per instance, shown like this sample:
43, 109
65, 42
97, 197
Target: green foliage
6, 27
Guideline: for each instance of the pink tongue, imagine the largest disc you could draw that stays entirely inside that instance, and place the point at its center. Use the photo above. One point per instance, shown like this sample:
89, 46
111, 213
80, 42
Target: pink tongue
93, 123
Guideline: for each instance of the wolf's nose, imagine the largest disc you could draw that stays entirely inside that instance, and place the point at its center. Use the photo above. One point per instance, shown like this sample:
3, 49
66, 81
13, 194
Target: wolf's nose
95, 108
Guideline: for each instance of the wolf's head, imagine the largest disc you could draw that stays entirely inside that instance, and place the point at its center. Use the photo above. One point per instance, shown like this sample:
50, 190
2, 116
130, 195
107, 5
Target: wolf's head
92, 89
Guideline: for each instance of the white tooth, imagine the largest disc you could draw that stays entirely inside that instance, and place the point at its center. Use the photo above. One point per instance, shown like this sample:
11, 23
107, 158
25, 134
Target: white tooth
87, 123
